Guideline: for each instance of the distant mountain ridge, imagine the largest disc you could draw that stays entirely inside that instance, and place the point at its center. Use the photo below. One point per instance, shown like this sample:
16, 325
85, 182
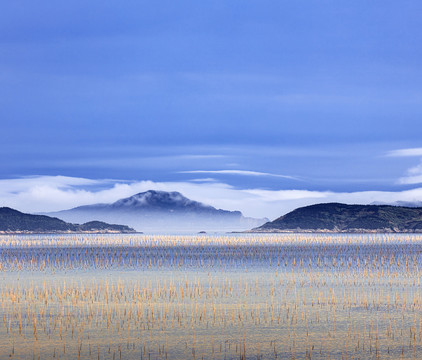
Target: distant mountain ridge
14, 221
161, 211
337, 217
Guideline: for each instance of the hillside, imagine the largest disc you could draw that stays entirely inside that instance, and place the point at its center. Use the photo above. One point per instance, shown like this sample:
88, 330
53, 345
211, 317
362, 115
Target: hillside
336, 217
13, 221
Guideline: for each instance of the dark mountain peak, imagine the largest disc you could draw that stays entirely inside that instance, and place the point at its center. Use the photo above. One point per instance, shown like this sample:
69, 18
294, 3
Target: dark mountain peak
158, 199
333, 206
8, 211
337, 217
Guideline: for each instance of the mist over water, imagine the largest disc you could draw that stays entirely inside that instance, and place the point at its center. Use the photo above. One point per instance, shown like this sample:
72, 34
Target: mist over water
200, 296
167, 223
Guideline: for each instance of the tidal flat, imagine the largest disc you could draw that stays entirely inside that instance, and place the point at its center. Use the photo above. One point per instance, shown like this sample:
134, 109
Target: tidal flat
255, 296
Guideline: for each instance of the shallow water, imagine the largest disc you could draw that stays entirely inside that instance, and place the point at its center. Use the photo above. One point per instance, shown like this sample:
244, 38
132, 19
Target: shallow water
199, 296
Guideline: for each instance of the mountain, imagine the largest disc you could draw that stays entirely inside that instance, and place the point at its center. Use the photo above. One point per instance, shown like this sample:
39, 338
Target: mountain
400, 203
160, 211
335, 217
13, 221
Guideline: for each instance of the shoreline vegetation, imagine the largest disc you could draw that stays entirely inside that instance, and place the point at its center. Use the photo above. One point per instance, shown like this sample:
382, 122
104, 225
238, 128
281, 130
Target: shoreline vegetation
245, 297
69, 232
334, 231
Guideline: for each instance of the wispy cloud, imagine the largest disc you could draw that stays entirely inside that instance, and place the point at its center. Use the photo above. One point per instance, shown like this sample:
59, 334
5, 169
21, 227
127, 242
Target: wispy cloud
414, 176
411, 180
405, 152
237, 172
21, 184
203, 180
52, 193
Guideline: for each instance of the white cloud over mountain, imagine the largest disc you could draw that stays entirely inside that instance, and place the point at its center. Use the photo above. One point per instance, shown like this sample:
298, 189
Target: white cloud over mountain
53, 193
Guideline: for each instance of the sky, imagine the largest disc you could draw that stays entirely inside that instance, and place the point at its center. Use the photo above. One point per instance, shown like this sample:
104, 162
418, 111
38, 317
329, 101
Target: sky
258, 106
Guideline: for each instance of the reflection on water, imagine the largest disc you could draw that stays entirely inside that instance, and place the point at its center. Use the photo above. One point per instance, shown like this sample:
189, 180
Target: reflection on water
211, 297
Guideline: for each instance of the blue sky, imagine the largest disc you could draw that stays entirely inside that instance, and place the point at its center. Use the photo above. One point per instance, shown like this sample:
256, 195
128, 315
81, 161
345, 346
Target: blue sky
269, 96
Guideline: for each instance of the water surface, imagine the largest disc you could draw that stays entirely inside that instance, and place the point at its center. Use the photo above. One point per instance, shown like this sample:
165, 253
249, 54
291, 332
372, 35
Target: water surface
211, 297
